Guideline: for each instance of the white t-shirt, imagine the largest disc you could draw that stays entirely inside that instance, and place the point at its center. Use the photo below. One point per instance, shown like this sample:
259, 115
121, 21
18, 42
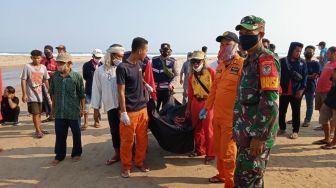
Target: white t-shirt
34, 76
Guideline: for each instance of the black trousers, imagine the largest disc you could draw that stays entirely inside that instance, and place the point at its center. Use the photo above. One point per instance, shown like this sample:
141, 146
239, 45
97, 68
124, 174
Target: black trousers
114, 121
162, 98
61, 130
10, 115
295, 103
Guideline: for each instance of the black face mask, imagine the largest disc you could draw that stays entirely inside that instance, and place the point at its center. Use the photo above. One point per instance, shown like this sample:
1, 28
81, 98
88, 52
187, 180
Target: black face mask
48, 54
165, 54
308, 55
248, 41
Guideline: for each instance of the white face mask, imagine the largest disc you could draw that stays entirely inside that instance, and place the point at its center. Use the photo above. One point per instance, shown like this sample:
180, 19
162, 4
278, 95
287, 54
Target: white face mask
61, 68
96, 60
199, 68
116, 62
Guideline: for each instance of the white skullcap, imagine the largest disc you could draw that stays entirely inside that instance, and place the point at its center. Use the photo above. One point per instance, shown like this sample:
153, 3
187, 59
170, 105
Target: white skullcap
115, 49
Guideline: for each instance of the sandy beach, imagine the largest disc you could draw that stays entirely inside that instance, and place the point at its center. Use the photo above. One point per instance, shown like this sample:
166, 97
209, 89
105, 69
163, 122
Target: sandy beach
25, 160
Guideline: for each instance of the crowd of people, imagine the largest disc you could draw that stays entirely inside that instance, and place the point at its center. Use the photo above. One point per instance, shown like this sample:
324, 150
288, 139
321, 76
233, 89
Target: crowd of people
237, 106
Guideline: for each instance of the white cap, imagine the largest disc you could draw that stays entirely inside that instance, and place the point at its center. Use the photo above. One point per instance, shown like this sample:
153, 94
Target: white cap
98, 53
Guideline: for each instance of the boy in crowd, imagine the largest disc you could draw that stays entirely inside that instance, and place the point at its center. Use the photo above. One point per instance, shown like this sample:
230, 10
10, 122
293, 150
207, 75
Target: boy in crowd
33, 76
10, 109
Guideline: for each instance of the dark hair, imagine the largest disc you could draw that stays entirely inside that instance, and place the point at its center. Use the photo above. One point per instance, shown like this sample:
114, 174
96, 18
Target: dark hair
272, 46
49, 47
138, 43
204, 48
265, 40
311, 47
36, 53
332, 49
10, 89
322, 44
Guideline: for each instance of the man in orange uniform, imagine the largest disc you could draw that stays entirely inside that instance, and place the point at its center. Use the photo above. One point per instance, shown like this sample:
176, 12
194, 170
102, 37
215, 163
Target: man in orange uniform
222, 96
199, 84
133, 117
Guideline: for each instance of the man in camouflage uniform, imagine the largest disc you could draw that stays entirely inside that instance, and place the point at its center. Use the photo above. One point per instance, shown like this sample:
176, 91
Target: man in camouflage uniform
256, 109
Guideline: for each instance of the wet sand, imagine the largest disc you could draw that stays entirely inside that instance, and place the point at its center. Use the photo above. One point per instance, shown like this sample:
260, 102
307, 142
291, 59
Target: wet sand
25, 161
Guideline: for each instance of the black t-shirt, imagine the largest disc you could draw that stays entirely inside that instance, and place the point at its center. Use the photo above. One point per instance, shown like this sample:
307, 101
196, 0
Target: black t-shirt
330, 100
130, 75
6, 111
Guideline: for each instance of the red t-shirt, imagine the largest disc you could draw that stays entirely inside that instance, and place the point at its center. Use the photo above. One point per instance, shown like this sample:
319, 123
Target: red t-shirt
50, 64
324, 83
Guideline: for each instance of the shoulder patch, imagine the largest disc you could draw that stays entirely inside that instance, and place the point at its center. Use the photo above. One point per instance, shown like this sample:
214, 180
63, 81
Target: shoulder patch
269, 76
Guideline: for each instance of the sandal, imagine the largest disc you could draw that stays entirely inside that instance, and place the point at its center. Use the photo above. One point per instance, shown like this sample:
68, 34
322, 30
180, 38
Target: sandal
96, 125
320, 142
143, 168
305, 124
329, 146
112, 161
45, 131
294, 136
125, 173
193, 154
47, 120
84, 127
216, 179
208, 160
76, 158
320, 128
39, 134
55, 162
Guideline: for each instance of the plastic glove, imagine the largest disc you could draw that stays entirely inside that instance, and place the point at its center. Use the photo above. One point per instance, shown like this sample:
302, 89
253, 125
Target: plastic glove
149, 88
125, 119
171, 87
202, 114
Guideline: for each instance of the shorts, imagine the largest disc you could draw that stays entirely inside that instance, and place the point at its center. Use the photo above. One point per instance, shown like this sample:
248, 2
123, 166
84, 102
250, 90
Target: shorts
319, 100
327, 114
87, 103
34, 108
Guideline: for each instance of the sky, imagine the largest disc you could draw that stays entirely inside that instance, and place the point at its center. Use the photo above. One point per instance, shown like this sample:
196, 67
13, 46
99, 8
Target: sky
187, 25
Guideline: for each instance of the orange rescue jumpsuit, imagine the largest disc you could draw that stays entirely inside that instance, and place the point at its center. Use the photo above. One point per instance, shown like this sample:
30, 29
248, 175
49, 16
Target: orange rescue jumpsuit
222, 98
204, 141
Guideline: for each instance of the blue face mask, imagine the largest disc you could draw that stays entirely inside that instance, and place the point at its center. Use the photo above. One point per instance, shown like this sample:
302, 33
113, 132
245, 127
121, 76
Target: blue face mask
248, 41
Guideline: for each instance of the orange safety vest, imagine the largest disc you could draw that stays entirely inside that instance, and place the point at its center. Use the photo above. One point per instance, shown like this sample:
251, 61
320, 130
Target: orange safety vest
224, 89
206, 79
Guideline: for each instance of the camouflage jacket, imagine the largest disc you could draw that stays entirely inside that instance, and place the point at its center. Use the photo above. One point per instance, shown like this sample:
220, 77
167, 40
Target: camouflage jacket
256, 108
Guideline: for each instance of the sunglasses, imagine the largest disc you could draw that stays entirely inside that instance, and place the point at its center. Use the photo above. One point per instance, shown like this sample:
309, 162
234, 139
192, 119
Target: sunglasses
195, 61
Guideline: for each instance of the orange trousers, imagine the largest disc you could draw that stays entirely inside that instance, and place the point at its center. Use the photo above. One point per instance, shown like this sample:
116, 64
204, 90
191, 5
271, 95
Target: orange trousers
204, 138
137, 129
226, 151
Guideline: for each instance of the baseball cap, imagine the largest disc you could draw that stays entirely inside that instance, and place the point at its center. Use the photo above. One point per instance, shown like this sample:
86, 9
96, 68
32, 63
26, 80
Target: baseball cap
61, 46
165, 46
199, 55
251, 23
64, 57
227, 35
97, 53
322, 43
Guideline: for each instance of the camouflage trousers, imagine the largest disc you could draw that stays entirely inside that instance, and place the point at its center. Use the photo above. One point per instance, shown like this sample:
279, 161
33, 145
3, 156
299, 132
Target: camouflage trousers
250, 171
